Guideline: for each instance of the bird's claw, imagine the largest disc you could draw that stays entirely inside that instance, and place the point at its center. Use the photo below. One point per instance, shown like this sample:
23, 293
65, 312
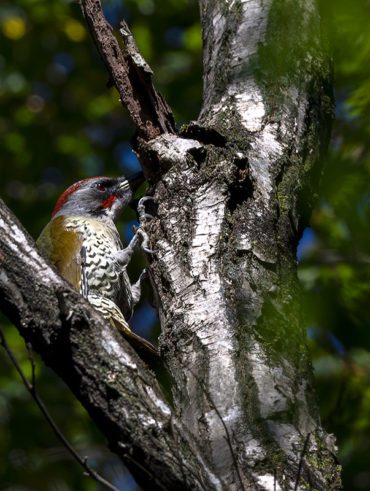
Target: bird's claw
143, 215
144, 199
144, 241
148, 251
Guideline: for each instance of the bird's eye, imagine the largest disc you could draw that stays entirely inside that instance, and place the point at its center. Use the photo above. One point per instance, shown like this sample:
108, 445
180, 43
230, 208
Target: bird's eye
100, 186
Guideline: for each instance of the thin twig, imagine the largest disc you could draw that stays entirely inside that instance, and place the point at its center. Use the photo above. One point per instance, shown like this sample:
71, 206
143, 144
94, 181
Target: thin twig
31, 389
336, 485
227, 437
173, 448
32, 361
304, 450
145, 471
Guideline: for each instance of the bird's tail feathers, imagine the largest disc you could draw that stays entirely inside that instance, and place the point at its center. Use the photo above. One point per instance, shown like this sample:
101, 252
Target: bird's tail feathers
111, 312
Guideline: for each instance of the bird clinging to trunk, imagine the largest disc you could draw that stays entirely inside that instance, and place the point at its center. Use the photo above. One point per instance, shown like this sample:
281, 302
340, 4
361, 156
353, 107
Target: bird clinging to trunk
84, 244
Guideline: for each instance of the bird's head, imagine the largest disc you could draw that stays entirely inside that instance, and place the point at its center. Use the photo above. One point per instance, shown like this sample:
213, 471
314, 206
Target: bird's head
98, 197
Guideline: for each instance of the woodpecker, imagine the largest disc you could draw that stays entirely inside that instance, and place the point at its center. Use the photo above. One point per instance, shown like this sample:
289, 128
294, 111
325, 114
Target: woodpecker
84, 244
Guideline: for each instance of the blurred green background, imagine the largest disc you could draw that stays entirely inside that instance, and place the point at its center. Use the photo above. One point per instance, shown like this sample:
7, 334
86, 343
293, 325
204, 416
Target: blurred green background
60, 123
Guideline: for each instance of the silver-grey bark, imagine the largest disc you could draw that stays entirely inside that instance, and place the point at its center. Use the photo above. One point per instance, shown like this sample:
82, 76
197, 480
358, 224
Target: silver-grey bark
232, 207
234, 191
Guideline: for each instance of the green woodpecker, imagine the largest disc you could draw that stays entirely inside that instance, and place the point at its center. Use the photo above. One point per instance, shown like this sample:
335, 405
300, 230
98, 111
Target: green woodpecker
83, 242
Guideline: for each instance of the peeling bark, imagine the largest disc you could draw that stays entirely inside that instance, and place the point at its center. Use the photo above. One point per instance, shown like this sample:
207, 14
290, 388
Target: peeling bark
234, 191
129, 73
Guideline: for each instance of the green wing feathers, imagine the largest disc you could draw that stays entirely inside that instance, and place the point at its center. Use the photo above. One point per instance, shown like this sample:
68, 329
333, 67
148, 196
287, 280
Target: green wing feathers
62, 247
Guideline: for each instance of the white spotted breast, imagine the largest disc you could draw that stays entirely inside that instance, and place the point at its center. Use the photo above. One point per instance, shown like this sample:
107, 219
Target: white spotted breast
103, 273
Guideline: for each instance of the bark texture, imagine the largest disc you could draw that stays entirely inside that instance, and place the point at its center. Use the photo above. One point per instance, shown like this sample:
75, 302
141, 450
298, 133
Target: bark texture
231, 209
106, 375
130, 74
234, 191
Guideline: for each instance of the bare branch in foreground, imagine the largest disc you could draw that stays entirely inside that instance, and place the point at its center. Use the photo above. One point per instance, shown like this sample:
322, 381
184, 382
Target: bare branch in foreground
32, 390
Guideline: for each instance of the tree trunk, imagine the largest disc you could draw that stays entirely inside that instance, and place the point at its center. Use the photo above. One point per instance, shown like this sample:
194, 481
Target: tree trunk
231, 211
234, 191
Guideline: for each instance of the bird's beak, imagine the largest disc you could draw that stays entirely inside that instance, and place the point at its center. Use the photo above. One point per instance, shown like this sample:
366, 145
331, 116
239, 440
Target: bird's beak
135, 180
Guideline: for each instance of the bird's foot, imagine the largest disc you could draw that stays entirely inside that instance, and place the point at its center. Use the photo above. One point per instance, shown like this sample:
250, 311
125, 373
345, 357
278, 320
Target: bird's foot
143, 217
136, 287
140, 236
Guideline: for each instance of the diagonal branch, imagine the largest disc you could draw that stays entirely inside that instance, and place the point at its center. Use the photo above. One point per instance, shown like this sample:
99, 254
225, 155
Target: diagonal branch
130, 74
121, 395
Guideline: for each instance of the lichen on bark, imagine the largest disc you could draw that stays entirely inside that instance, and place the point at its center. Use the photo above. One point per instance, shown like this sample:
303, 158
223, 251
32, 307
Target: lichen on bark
233, 192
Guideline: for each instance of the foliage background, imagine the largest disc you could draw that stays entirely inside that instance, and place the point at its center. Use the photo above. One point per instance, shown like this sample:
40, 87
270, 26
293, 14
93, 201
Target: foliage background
60, 123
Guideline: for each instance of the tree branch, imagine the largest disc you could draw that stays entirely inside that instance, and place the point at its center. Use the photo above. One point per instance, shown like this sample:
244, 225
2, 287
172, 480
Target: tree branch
130, 73
106, 375
233, 195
